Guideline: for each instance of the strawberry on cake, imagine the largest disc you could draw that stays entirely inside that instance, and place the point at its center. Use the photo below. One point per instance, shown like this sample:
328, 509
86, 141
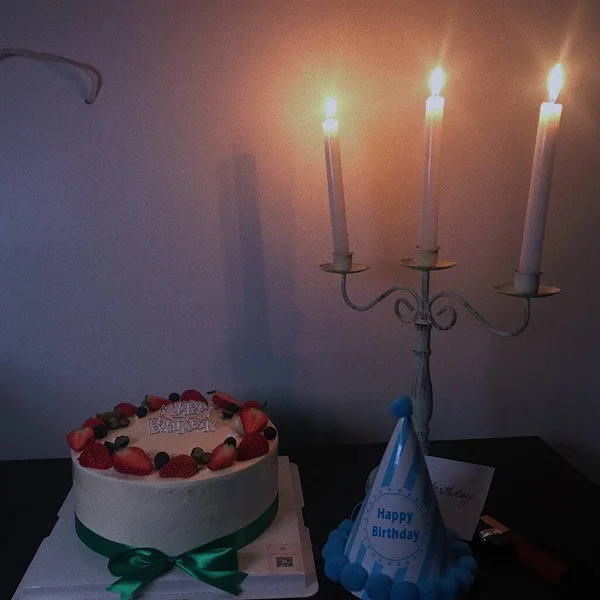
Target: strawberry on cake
174, 474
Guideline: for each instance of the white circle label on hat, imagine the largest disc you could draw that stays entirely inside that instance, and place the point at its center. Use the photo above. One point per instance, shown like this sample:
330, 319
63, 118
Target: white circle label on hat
395, 527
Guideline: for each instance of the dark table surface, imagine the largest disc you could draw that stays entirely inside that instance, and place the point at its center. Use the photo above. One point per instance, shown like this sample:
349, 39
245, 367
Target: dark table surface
534, 491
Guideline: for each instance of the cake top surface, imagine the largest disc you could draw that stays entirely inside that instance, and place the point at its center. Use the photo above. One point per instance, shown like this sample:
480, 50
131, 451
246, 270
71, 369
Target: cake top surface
178, 427
217, 437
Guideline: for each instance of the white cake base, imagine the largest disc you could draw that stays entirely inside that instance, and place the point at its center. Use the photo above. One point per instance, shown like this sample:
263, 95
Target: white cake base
64, 569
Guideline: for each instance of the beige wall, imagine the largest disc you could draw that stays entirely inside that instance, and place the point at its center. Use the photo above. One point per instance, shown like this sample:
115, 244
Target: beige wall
169, 235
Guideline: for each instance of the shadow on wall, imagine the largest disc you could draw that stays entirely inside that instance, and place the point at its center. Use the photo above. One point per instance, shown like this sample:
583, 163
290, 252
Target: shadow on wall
29, 399
261, 351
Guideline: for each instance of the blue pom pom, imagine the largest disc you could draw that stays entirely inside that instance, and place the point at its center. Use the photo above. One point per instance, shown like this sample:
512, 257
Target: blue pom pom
346, 525
450, 588
333, 566
404, 590
332, 547
353, 577
464, 577
461, 549
378, 586
469, 563
431, 590
338, 535
403, 407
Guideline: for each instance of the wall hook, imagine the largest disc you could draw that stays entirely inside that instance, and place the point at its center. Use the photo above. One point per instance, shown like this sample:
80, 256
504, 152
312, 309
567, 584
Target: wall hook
93, 73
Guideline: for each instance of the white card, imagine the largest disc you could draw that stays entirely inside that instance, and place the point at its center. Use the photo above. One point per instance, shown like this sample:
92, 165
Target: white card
461, 489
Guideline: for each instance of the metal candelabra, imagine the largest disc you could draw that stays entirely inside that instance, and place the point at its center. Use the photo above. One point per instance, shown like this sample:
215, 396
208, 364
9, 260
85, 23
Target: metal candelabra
419, 309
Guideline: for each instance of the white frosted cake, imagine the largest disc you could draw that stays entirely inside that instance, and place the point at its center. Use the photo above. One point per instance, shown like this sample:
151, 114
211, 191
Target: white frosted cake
174, 474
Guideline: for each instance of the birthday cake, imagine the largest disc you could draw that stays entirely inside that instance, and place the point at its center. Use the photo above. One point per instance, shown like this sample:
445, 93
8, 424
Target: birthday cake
174, 474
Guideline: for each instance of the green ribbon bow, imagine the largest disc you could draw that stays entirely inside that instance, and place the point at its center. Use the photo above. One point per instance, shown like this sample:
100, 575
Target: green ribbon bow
215, 563
137, 567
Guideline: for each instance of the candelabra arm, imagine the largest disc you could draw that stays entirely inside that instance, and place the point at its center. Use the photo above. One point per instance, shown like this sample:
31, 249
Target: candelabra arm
413, 309
452, 312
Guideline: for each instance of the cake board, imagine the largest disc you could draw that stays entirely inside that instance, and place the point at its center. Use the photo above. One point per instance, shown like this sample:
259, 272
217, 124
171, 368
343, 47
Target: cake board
280, 563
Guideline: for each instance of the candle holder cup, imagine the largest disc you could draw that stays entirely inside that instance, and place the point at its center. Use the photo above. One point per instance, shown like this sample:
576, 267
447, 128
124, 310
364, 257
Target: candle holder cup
342, 264
427, 258
527, 284
421, 309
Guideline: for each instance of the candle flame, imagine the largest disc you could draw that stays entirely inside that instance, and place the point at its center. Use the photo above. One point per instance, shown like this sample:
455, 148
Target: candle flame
330, 124
330, 107
555, 81
436, 81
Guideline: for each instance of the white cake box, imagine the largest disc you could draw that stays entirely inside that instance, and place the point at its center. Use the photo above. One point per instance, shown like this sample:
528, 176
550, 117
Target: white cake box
279, 563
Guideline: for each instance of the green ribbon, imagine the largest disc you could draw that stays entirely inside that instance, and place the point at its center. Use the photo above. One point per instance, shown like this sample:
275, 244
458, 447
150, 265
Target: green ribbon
215, 563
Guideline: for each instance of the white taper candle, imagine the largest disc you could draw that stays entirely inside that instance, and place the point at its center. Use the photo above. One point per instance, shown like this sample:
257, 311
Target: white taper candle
541, 177
434, 113
337, 205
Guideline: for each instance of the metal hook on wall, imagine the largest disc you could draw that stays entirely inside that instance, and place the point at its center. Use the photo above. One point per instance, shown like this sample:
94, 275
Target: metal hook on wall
94, 74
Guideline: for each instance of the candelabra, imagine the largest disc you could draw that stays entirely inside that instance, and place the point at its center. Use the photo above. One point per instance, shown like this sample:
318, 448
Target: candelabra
419, 309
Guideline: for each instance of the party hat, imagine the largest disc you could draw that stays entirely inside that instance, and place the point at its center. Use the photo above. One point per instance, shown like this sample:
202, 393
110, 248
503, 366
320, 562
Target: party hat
399, 547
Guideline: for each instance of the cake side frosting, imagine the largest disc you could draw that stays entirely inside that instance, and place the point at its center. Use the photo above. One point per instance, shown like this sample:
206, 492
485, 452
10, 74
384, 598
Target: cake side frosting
180, 514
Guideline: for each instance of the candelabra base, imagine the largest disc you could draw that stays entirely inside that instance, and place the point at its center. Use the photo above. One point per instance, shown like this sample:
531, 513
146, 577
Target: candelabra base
543, 291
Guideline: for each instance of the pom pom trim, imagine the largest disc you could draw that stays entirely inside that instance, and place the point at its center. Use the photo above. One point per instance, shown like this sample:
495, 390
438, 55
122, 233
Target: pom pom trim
458, 570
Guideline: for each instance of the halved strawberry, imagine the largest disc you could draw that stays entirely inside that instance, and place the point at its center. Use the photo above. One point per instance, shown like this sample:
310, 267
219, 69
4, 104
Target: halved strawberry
155, 402
92, 422
254, 420
222, 456
254, 404
222, 400
81, 438
132, 461
252, 446
96, 456
125, 409
193, 395
183, 465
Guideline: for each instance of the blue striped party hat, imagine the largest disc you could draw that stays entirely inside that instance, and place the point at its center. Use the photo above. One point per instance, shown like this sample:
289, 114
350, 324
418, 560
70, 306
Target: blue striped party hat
399, 540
